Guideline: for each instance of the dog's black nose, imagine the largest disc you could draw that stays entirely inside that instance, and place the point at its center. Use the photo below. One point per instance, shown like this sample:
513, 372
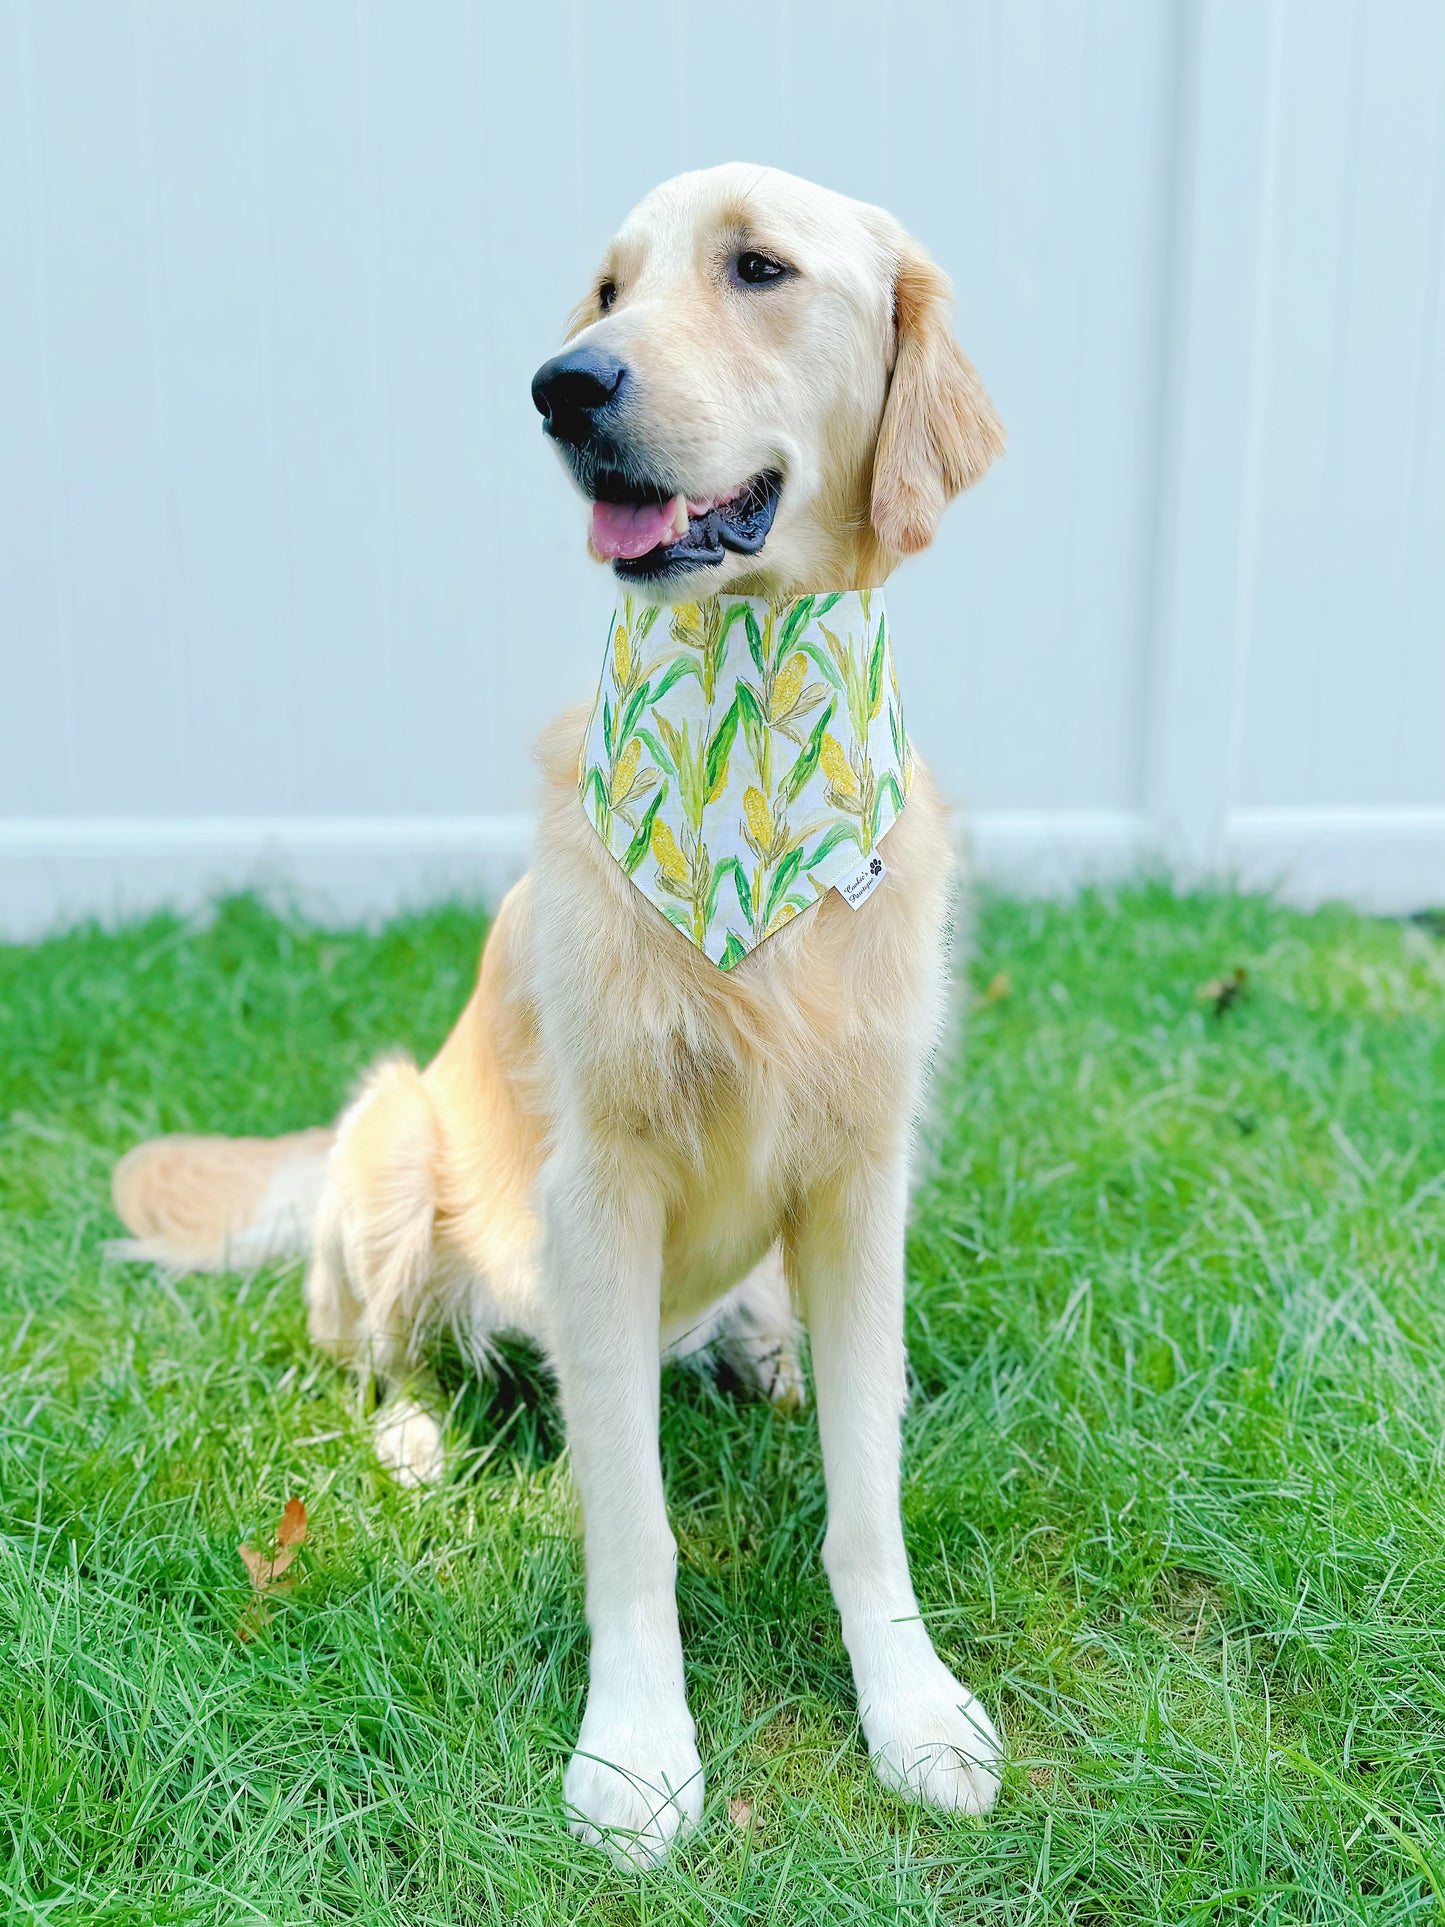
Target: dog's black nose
571, 388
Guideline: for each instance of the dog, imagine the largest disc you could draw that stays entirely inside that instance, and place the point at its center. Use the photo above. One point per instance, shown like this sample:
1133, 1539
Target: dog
622, 1149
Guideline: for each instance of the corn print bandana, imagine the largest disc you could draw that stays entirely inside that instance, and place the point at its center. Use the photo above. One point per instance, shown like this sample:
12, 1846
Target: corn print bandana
745, 756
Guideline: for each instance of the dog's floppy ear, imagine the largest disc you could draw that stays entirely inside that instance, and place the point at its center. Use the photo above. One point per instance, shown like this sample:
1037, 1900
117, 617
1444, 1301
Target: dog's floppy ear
939, 431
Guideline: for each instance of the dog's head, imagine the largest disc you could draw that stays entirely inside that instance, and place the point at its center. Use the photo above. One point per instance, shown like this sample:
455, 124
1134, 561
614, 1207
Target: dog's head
762, 391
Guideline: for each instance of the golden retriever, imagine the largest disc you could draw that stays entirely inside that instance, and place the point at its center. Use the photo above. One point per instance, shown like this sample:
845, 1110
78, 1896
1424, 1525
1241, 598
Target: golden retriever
621, 1147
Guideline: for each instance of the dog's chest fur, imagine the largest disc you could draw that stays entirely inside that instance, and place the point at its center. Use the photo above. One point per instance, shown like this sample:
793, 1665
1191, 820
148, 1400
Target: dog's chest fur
730, 1095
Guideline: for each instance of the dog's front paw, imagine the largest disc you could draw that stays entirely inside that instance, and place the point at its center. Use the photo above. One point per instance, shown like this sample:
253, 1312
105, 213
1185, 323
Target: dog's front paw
633, 1787
409, 1441
930, 1740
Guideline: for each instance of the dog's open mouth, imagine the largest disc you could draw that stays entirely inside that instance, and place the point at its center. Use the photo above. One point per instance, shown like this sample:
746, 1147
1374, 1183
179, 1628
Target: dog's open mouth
645, 533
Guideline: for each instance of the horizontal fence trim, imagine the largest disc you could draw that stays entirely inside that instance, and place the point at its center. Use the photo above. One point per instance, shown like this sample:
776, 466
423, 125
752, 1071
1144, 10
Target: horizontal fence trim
56, 870
1049, 851
1389, 860
337, 870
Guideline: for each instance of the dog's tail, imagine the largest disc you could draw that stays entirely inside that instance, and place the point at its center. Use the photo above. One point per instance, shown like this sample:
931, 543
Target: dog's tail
221, 1203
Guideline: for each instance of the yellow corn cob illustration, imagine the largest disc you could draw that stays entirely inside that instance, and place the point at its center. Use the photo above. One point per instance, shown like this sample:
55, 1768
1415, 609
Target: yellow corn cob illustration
621, 655
687, 625
626, 769
759, 816
839, 769
670, 859
788, 685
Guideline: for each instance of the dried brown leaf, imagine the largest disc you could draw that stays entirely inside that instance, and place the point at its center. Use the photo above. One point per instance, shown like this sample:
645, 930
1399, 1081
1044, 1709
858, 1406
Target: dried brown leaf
740, 1813
265, 1572
292, 1529
268, 1570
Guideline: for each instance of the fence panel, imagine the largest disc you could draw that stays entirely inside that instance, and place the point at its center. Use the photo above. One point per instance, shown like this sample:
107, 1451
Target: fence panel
289, 581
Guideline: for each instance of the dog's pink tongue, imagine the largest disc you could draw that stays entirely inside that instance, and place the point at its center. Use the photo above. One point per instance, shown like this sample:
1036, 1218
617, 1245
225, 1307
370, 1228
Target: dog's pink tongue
626, 529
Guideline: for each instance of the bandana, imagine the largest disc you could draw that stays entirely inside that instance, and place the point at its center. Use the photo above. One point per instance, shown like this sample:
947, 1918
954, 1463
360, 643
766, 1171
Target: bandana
744, 757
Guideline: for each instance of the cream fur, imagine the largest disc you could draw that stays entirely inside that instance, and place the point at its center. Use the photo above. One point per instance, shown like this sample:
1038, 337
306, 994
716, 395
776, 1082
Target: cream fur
621, 1149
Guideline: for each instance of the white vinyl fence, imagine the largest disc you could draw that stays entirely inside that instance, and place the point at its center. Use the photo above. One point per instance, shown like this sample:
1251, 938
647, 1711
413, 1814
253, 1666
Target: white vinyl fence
289, 580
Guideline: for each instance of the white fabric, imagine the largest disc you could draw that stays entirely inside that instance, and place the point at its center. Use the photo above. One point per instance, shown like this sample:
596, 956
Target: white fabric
744, 756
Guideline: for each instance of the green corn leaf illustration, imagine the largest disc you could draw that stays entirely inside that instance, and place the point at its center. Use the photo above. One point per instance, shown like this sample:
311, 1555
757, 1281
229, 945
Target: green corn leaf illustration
807, 760
875, 670
750, 709
679, 667
824, 662
720, 870
886, 787
720, 746
655, 750
734, 950
597, 785
827, 602
895, 730
778, 888
744, 890
796, 617
730, 866
607, 725
839, 833
631, 714
755, 638
717, 643
734, 613
750, 703
637, 848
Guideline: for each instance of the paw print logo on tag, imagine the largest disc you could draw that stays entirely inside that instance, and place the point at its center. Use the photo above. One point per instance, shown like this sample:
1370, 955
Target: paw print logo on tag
855, 889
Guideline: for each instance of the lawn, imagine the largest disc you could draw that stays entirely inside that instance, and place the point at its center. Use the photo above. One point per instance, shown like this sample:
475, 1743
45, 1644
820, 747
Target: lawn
1173, 1480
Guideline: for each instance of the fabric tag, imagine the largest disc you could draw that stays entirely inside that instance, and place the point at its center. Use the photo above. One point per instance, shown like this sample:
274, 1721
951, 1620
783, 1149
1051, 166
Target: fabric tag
857, 888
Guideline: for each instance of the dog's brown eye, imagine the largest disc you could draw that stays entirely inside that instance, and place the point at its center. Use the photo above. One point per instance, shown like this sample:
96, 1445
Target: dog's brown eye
752, 270
606, 295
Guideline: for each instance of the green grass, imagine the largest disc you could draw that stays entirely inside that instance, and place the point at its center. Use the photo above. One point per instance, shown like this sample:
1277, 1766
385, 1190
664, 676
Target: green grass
1174, 1486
